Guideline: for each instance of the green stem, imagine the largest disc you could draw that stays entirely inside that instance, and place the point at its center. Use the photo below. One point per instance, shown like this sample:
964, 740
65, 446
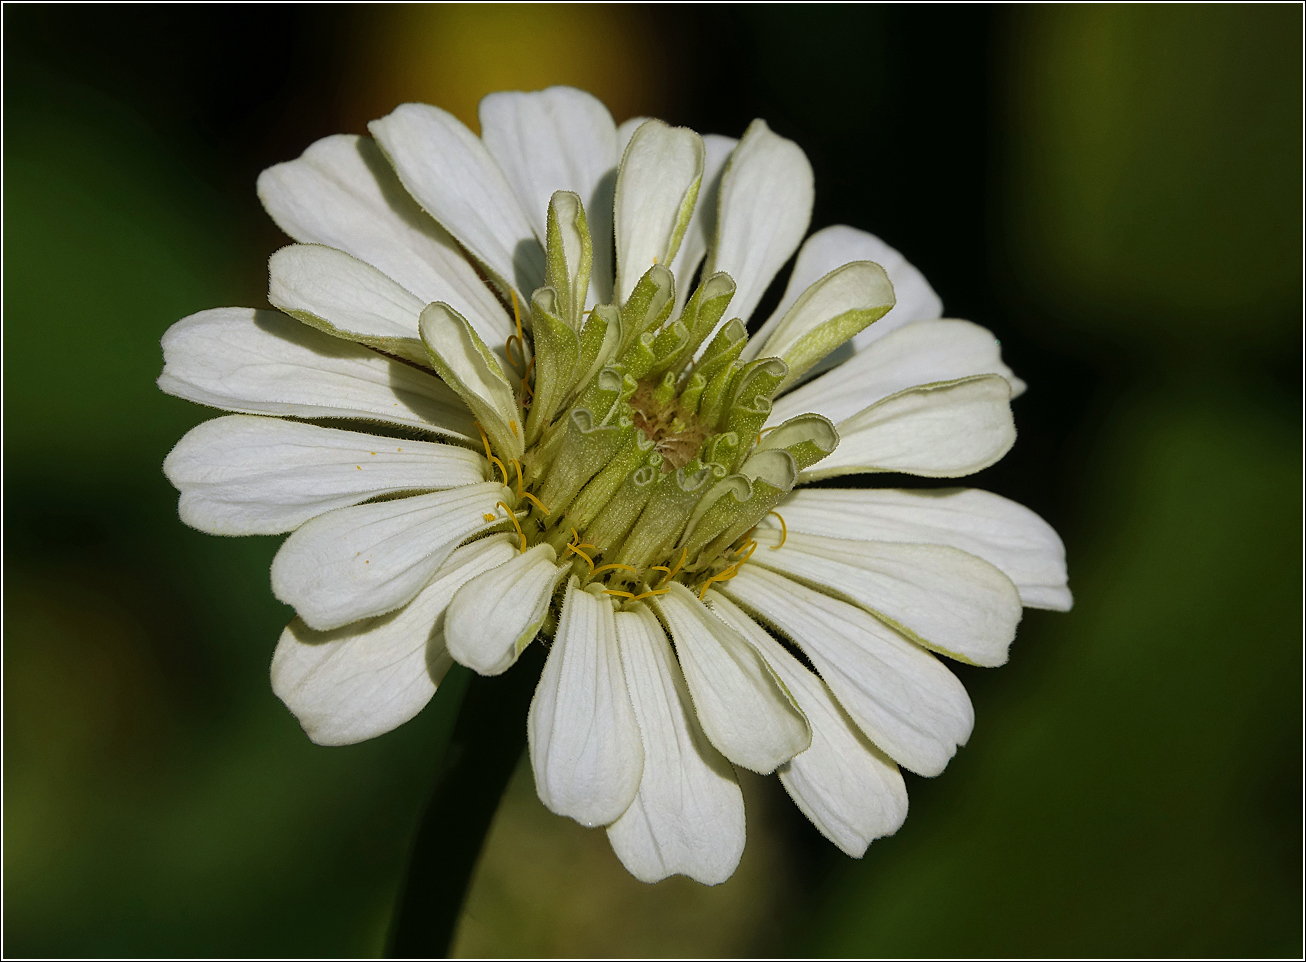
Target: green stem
487, 742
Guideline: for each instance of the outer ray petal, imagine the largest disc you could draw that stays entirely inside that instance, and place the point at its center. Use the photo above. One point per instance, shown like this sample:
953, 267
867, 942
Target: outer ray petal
363, 680
342, 193
702, 226
852, 792
764, 207
943, 430
451, 174
745, 710
497, 614
924, 352
243, 475
363, 561
583, 739
263, 362
1006, 534
945, 599
688, 816
904, 699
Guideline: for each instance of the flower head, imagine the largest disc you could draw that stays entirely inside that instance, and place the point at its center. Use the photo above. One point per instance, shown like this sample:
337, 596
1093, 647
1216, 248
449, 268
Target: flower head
508, 396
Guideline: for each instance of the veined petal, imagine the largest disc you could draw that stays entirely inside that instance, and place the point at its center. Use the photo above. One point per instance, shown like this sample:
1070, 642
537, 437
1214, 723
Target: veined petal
263, 362
584, 741
450, 173
943, 430
657, 186
743, 707
764, 207
852, 792
1007, 535
243, 475
834, 246
688, 816
901, 696
497, 614
702, 225
829, 312
923, 352
343, 194
467, 365
940, 597
363, 561
560, 138
339, 294
363, 680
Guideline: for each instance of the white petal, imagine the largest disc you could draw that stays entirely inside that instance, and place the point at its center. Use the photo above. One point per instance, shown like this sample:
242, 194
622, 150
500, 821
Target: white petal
741, 705
497, 614
923, 352
1008, 535
366, 560
625, 130
901, 696
363, 680
834, 246
343, 194
341, 295
657, 185
852, 792
451, 174
584, 741
547, 140
940, 597
765, 207
943, 430
263, 362
688, 817
243, 475
702, 226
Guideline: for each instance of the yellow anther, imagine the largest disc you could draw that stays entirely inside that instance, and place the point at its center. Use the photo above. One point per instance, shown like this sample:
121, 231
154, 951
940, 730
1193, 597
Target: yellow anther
518, 338
499, 464
484, 439
660, 568
767, 430
575, 535
747, 550
513, 425
784, 530
514, 461
513, 518
536, 501
651, 593
672, 573
487, 516
623, 594
612, 567
725, 575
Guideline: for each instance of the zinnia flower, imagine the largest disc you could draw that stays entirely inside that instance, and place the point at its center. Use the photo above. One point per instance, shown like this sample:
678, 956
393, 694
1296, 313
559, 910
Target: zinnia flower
508, 396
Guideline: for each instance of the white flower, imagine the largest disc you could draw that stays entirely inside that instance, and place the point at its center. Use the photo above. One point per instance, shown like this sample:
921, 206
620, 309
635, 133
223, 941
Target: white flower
620, 475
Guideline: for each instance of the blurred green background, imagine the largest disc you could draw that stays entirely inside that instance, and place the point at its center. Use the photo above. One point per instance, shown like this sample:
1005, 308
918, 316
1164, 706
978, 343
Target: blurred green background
1115, 191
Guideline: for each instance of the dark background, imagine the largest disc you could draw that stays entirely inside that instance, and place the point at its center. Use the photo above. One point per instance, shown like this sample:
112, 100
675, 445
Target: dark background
1114, 191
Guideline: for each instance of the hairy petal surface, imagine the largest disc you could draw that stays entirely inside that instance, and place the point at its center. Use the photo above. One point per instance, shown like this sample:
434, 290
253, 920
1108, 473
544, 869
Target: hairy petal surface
362, 680
688, 816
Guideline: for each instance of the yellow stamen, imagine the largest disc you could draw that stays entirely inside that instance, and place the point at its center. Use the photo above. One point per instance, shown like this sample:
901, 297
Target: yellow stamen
530, 497
672, 573
623, 594
513, 425
784, 530
612, 567
581, 544
747, 550
484, 439
517, 463
487, 516
651, 593
513, 518
588, 559
725, 575
499, 464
